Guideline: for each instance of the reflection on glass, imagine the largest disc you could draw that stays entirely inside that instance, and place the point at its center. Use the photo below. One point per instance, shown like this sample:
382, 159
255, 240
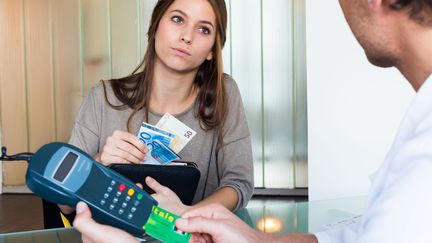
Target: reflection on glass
269, 225
276, 217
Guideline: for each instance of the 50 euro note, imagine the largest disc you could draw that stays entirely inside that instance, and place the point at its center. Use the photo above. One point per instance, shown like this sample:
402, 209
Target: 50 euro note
182, 133
158, 142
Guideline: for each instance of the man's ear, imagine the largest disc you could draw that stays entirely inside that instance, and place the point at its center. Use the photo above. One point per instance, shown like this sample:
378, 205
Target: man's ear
382, 6
374, 5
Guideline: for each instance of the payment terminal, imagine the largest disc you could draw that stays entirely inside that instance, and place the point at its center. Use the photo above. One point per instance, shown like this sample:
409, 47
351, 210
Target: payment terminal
64, 174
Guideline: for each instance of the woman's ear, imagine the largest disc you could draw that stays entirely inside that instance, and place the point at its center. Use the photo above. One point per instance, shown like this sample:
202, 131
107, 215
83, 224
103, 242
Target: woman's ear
209, 56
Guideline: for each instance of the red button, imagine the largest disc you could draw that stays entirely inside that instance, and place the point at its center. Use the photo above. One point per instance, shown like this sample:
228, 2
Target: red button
122, 187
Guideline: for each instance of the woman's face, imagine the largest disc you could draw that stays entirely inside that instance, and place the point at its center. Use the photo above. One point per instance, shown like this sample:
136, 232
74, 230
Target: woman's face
186, 35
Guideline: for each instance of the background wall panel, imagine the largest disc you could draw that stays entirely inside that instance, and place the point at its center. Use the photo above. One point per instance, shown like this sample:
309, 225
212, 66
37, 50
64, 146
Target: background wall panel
68, 79
146, 9
125, 44
39, 74
13, 87
96, 41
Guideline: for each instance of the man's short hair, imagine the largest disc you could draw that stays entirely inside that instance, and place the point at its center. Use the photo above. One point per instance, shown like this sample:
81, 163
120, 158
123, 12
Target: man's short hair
419, 10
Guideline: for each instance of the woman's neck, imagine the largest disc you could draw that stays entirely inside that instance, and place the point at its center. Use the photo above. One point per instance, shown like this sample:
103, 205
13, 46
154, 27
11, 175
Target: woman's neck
172, 92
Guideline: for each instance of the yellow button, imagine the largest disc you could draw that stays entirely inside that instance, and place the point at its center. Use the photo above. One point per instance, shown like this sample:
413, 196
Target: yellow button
131, 192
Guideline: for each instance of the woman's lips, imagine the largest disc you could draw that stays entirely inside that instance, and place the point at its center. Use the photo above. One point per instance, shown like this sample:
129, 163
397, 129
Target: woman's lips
181, 52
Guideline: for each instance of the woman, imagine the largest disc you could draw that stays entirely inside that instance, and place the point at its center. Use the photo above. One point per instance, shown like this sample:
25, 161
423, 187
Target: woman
181, 75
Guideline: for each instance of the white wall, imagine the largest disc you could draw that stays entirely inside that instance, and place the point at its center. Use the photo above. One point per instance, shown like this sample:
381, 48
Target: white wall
354, 108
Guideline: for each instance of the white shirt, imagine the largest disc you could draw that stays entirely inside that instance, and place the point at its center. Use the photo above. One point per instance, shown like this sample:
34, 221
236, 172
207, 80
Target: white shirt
399, 206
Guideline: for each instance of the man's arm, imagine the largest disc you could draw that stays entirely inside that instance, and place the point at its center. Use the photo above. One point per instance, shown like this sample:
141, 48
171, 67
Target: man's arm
293, 238
218, 224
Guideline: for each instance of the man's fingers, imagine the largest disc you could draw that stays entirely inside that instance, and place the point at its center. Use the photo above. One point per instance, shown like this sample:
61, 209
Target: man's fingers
207, 238
91, 231
83, 209
213, 211
86, 239
198, 225
200, 238
83, 217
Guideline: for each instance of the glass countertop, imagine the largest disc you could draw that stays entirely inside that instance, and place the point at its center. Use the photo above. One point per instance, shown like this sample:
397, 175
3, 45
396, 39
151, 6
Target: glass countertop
275, 217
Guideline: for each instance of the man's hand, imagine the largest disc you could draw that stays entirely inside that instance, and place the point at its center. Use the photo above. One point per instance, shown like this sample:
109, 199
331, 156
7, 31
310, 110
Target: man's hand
215, 223
92, 232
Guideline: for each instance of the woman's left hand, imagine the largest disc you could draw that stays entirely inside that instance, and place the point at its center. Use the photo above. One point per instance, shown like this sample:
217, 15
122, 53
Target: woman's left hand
166, 198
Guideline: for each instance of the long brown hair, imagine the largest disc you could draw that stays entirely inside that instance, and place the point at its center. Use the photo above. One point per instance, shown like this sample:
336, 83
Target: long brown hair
211, 106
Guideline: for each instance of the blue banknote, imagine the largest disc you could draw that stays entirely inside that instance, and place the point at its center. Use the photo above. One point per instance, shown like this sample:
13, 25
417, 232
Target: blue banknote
158, 142
148, 133
162, 153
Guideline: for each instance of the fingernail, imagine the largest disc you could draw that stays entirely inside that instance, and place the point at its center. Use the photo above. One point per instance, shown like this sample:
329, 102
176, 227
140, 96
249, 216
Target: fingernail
80, 207
181, 222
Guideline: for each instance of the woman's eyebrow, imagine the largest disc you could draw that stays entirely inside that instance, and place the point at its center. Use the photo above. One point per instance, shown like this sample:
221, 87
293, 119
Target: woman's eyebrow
201, 21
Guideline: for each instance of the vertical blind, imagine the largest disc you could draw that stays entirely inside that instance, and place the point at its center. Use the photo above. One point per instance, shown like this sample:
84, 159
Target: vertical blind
53, 51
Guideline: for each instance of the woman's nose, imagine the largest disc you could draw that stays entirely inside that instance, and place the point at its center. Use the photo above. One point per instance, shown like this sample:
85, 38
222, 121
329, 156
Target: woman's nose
186, 35
186, 40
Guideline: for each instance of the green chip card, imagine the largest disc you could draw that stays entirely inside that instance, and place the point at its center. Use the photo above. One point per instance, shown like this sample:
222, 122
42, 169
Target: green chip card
161, 226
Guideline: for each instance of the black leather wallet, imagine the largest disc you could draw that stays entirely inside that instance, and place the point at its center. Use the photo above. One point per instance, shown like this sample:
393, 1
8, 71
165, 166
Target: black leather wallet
182, 179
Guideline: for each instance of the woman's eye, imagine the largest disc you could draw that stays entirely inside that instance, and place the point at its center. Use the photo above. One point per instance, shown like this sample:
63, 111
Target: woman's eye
204, 30
177, 19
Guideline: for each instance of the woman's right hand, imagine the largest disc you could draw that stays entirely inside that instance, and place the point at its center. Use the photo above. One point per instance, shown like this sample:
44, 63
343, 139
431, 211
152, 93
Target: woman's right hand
122, 147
